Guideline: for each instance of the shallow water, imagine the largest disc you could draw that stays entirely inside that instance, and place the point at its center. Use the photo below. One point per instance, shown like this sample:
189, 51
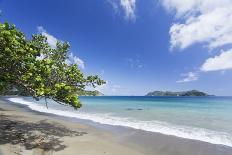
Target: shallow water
201, 118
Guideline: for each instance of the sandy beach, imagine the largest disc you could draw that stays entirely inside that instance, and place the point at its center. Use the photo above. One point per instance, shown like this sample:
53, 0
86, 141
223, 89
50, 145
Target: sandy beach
115, 77
26, 132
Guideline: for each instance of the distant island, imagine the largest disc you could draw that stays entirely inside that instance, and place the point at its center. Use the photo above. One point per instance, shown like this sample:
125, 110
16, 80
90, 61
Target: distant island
181, 93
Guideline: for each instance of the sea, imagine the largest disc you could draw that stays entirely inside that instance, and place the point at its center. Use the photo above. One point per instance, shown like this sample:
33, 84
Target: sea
207, 119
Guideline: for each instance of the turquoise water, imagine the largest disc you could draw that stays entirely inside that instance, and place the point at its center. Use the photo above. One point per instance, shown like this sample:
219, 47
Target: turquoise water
206, 119
208, 112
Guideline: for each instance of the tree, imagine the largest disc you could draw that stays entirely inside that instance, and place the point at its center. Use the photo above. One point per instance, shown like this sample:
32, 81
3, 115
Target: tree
40, 70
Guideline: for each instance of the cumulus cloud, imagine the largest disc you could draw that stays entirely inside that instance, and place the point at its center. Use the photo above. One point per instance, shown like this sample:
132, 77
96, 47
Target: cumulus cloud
50, 38
72, 59
202, 21
219, 62
128, 7
188, 77
208, 22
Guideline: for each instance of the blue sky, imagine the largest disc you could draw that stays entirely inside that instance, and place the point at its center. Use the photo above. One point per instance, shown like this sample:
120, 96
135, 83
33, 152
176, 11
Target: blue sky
138, 46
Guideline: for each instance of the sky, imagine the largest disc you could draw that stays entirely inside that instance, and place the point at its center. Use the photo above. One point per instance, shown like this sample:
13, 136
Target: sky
137, 46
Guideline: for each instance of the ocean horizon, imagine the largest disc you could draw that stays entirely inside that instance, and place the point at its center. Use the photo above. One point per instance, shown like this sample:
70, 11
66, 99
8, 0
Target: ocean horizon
206, 119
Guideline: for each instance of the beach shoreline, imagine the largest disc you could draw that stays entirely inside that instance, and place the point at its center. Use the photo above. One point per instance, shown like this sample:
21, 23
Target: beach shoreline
24, 131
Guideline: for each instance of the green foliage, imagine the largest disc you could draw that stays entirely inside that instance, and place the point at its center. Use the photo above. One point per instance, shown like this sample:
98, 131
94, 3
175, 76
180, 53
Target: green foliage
40, 70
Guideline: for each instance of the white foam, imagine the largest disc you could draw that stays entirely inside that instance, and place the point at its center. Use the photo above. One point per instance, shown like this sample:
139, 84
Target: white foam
200, 134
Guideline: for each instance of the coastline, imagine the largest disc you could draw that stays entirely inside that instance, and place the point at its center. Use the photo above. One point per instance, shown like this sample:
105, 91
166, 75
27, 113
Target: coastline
27, 132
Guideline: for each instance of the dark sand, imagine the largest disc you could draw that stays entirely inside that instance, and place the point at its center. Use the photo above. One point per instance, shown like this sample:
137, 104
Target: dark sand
23, 131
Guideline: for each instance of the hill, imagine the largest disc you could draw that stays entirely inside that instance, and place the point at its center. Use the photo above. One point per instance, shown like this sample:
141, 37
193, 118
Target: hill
181, 93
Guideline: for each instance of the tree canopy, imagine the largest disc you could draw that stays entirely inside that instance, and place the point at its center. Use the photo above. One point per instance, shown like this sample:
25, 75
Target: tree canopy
40, 70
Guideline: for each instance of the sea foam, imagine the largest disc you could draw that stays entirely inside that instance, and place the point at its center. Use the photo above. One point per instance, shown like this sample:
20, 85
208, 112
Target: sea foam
187, 132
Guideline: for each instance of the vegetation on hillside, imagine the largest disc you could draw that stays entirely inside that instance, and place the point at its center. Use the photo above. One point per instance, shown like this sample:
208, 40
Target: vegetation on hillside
182, 93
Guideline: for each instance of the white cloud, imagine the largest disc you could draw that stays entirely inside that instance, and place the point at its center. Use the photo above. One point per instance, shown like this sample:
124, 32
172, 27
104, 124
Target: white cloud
202, 21
75, 60
50, 38
189, 77
220, 62
128, 7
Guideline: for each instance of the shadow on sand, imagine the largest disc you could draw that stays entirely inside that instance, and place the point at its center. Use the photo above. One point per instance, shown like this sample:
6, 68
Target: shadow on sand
42, 135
